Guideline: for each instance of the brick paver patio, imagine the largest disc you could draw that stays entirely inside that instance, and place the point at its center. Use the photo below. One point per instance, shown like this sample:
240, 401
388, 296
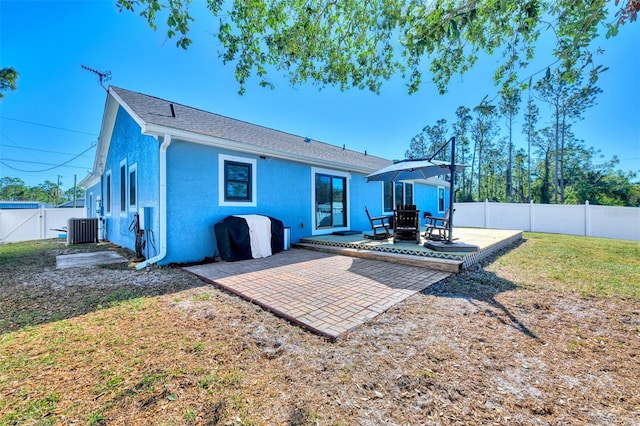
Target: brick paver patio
326, 293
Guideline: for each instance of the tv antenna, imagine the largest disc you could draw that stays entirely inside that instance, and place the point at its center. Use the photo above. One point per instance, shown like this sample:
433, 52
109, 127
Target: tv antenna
102, 76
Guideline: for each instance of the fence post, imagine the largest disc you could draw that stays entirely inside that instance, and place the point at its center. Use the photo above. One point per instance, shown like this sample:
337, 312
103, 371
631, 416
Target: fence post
531, 209
486, 212
42, 222
587, 219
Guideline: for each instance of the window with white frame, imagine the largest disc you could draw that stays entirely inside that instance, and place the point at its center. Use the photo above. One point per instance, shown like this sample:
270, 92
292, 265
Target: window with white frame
397, 193
123, 187
237, 181
107, 207
133, 187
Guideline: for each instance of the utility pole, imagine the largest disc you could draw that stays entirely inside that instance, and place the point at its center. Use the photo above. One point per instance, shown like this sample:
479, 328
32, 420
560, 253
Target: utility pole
55, 192
75, 177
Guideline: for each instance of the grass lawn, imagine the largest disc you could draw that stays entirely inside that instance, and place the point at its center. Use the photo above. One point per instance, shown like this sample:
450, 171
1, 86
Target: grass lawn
591, 267
547, 332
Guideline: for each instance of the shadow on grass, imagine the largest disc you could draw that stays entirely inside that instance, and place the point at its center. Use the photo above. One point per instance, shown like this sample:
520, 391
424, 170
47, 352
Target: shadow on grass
32, 292
478, 285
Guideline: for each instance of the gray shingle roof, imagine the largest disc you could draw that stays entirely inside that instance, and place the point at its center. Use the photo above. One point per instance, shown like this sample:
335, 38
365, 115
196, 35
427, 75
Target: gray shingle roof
158, 111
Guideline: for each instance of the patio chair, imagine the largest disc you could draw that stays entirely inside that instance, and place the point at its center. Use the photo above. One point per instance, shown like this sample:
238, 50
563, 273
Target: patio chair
437, 228
406, 223
379, 225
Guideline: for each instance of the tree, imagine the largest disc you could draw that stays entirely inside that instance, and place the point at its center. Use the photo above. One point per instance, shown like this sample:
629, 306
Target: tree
509, 107
568, 99
8, 78
427, 142
357, 43
461, 130
597, 181
529, 128
482, 131
13, 189
520, 176
48, 192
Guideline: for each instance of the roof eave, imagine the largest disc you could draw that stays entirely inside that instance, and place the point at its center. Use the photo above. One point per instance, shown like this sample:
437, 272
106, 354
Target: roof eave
193, 137
113, 102
90, 180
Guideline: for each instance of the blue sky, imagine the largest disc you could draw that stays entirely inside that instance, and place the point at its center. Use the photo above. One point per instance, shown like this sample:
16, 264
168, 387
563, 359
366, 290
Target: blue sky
56, 112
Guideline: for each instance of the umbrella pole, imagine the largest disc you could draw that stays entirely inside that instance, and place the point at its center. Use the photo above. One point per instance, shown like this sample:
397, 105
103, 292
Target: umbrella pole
452, 168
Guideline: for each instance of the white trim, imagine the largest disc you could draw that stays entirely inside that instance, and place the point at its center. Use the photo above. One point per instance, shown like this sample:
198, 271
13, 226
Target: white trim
89, 181
133, 168
123, 205
254, 187
106, 132
329, 172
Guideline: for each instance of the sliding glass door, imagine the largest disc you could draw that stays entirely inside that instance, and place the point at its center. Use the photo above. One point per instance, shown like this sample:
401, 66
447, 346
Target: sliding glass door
331, 201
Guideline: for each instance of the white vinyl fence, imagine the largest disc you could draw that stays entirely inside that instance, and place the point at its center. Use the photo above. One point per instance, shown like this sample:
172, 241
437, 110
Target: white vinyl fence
35, 224
593, 221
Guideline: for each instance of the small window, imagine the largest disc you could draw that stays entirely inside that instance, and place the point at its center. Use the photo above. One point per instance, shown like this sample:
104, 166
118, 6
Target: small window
108, 191
123, 187
236, 181
133, 187
441, 199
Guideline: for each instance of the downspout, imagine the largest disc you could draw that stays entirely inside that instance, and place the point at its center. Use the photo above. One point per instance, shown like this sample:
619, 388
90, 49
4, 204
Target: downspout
162, 207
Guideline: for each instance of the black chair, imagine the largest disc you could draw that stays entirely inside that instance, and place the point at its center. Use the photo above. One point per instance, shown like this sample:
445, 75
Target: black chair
406, 223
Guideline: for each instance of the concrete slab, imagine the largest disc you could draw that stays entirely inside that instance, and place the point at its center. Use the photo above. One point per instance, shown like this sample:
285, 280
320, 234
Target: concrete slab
326, 293
84, 260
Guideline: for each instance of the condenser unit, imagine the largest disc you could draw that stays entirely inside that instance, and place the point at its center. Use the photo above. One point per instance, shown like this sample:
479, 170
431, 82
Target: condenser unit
82, 231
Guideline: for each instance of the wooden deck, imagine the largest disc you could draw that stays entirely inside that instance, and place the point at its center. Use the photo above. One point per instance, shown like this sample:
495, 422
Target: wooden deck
487, 241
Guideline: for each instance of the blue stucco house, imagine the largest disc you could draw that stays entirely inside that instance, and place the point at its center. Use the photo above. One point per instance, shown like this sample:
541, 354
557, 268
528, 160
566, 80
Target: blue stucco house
183, 170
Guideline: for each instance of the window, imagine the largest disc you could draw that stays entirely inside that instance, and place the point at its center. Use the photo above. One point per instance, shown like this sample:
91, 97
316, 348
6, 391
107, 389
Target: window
108, 191
236, 181
441, 199
123, 186
133, 187
388, 196
395, 193
408, 193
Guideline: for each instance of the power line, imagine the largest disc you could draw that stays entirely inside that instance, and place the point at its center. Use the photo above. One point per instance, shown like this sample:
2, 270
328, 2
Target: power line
2, 161
47, 125
55, 166
39, 150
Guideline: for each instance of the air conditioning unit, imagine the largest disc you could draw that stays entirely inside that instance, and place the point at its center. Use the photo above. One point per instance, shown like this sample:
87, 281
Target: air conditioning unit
82, 231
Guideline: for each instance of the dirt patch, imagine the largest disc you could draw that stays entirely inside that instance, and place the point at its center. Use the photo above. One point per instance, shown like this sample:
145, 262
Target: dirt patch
473, 349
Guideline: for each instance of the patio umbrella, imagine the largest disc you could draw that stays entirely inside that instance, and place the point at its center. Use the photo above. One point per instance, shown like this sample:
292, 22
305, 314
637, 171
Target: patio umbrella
423, 169
413, 169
